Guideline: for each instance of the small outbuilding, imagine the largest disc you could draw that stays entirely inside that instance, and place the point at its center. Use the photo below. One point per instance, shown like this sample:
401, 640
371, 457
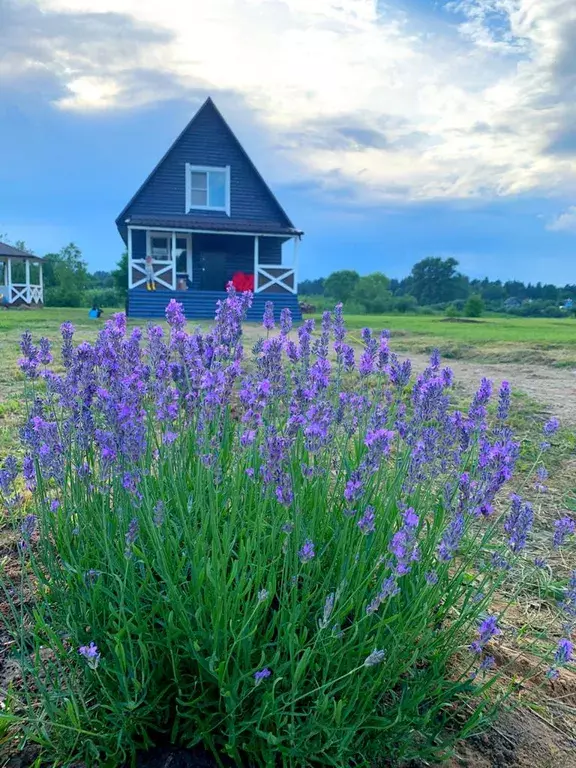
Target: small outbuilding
21, 280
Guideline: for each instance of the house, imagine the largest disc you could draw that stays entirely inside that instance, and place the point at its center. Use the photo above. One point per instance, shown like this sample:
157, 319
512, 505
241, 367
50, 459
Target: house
205, 217
20, 277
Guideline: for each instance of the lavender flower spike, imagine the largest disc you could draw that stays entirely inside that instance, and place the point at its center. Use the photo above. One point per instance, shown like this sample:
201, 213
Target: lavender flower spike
261, 674
91, 654
376, 657
307, 552
562, 529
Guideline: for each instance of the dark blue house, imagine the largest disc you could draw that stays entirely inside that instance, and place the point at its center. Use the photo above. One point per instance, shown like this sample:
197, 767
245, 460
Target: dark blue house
205, 217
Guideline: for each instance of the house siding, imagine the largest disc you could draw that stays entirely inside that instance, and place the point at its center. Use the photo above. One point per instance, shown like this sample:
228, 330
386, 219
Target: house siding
209, 142
201, 305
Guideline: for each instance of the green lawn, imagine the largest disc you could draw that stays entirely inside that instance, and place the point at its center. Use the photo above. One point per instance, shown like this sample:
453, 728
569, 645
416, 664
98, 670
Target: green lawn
490, 339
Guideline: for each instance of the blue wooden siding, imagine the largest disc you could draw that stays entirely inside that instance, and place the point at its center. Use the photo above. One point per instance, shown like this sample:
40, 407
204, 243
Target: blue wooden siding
207, 141
201, 305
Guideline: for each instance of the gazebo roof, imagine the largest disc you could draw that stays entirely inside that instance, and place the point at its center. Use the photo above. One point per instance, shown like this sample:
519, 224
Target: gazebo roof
15, 253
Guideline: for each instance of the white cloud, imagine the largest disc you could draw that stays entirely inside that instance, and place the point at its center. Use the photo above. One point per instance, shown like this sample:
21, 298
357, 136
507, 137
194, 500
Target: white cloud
565, 222
470, 103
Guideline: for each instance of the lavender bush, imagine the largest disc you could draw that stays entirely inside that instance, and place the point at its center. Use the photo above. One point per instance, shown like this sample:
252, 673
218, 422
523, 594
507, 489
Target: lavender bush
287, 555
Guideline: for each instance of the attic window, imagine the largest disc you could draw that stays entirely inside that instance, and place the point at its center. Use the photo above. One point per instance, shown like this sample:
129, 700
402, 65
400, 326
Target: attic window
207, 188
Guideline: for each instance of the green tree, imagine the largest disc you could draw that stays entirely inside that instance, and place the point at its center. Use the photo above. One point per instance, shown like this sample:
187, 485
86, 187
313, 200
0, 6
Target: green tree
373, 293
435, 281
340, 285
65, 277
120, 275
474, 306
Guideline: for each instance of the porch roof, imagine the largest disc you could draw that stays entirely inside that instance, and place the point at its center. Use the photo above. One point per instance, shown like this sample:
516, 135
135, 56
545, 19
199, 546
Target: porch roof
213, 224
15, 253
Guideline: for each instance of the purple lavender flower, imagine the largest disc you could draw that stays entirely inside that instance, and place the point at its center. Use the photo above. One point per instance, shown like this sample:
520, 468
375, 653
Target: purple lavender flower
268, 318
562, 529
367, 522
389, 588
503, 401
285, 321
8, 475
563, 652
487, 629
91, 654
54, 505
27, 530
338, 326
435, 359
518, 523
540, 562
261, 674
175, 315
487, 663
131, 536
431, 577
307, 553
551, 427
451, 538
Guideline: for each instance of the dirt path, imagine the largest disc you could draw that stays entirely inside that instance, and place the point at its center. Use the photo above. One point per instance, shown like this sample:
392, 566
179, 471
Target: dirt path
553, 388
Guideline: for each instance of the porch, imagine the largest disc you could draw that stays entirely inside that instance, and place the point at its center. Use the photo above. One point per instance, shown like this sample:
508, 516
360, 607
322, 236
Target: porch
194, 266
21, 280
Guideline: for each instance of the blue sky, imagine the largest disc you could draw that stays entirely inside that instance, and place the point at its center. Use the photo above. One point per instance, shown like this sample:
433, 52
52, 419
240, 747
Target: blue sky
390, 131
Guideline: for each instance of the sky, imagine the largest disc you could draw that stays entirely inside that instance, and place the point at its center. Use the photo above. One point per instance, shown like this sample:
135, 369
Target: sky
390, 130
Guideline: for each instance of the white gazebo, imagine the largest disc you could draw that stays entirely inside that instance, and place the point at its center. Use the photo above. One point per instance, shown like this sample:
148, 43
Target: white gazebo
20, 277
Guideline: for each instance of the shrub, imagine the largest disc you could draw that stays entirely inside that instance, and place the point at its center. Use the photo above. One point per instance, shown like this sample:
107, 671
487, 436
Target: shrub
63, 296
287, 559
474, 306
452, 311
103, 297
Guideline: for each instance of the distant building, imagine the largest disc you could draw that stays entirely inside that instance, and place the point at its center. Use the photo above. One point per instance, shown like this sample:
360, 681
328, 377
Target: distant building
205, 217
21, 280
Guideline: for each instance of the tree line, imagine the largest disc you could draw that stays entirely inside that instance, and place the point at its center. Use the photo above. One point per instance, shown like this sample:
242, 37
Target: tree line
69, 283
435, 284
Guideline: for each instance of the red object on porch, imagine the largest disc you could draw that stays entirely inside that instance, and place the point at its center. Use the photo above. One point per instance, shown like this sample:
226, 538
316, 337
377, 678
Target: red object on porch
243, 282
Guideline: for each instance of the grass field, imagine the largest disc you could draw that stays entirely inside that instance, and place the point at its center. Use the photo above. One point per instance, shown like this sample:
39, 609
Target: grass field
538, 342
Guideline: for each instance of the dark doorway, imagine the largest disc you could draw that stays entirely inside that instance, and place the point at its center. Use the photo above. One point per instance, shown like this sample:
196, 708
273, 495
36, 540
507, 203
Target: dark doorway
213, 271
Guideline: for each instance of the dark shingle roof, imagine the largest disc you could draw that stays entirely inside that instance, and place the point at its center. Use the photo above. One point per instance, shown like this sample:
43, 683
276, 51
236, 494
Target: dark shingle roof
16, 253
207, 224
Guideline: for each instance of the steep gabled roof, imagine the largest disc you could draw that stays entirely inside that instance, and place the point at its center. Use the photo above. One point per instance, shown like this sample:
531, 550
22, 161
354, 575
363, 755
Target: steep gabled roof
17, 253
207, 105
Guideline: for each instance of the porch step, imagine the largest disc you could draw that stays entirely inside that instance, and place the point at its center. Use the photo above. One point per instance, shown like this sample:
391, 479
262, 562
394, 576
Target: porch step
201, 305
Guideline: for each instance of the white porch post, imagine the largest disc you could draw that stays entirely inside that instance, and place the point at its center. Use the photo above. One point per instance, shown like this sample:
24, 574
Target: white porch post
295, 265
173, 260
27, 266
130, 285
9, 279
41, 281
256, 262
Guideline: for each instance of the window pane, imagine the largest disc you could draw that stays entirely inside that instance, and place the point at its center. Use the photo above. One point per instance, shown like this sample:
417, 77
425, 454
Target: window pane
198, 180
217, 189
160, 247
198, 197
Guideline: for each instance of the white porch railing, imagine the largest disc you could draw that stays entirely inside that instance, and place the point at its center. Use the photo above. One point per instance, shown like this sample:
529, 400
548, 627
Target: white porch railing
164, 273
29, 294
272, 278
275, 276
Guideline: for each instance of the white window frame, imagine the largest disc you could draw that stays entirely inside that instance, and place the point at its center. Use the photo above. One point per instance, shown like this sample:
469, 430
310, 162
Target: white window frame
152, 233
190, 169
